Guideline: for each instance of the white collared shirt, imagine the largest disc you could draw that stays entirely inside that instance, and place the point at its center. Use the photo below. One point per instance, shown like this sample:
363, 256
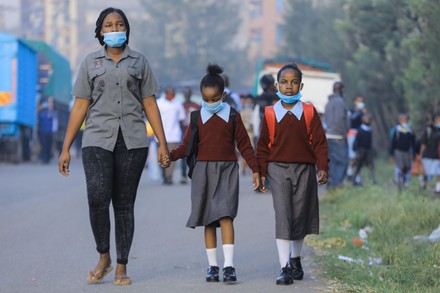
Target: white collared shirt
223, 113
280, 111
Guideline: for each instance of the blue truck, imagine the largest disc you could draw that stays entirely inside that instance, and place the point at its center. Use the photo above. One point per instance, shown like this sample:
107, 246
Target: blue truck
29, 71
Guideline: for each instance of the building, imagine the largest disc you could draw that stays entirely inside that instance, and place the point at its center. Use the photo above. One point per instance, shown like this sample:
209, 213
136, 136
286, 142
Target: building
263, 27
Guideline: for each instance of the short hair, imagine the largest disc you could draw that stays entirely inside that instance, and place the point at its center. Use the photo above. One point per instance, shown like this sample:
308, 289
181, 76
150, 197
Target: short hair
213, 78
338, 85
292, 66
266, 81
101, 18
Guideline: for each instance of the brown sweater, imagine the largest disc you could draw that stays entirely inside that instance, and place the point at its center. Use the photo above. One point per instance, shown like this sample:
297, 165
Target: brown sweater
217, 142
291, 143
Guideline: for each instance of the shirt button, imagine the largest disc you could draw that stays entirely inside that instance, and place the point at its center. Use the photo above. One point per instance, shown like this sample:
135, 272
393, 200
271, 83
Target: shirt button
117, 83
117, 66
119, 117
119, 102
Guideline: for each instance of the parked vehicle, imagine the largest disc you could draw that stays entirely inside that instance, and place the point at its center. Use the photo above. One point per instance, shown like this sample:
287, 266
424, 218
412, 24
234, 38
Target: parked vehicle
30, 70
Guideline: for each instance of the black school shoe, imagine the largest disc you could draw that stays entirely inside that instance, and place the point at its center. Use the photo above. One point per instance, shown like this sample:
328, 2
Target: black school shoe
297, 270
229, 275
285, 277
212, 275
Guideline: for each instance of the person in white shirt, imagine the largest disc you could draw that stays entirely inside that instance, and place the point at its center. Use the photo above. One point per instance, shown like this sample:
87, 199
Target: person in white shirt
173, 118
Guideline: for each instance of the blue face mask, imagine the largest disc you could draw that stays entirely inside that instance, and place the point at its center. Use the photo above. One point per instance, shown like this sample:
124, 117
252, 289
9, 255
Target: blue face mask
214, 107
289, 99
115, 39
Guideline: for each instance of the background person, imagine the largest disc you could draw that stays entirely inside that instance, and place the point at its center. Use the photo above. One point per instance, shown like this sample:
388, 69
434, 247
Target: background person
337, 124
173, 118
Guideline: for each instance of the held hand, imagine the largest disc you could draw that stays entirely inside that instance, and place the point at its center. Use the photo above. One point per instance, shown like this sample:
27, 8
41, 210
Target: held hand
322, 177
164, 156
256, 181
165, 161
64, 163
263, 184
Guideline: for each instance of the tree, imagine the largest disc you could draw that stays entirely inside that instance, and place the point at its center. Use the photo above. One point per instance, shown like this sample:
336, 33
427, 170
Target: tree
420, 78
182, 37
311, 31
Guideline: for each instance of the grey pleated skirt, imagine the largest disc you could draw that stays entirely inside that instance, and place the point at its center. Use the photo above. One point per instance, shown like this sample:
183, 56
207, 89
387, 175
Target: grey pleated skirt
214, 192
295, 199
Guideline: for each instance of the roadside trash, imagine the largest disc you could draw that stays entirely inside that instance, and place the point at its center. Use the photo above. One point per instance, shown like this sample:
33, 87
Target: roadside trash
346, 224
357, 242
363, 233
433, 237
332, 242
349, 259
375, 261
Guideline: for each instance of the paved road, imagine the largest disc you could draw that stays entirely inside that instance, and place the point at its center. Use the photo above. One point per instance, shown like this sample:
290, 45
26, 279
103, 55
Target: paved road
46, 244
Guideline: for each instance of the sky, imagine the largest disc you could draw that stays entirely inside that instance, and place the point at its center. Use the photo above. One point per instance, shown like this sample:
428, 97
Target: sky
11, 15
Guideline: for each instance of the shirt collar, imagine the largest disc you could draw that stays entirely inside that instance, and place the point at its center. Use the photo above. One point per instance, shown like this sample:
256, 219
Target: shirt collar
280, 111
127, 52
223, 113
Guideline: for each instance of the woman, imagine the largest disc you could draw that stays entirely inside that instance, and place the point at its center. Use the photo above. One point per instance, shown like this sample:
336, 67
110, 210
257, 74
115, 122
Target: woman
115, 85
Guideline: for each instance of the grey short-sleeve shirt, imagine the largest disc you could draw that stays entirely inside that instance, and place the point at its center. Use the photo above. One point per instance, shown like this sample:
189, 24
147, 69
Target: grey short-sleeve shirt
116, 91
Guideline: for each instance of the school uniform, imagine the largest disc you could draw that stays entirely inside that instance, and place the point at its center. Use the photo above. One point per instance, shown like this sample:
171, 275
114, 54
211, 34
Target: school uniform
290, 166
214, 190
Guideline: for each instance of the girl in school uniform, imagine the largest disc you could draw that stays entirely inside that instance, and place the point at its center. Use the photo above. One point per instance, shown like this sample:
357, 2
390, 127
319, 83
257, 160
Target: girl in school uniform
214, 190
293, 163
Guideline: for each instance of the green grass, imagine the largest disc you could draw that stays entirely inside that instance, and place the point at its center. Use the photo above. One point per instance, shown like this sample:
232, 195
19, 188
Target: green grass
407, 265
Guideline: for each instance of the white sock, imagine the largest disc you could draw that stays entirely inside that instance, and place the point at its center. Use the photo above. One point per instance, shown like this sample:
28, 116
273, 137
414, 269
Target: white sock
437, 187
283, 251
228, 252
296, 247
212, 256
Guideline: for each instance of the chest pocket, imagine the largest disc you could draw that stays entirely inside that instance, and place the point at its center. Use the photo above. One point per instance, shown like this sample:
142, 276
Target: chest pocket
134, 81
96, 77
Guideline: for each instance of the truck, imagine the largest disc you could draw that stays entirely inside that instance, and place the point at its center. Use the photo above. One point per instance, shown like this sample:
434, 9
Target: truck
29, 71
318, 78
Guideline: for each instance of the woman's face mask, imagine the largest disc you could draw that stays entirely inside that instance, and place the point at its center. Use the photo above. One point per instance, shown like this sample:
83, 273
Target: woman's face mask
115, 39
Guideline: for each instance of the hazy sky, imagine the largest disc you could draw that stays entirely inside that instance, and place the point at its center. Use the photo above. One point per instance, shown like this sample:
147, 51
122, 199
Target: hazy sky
11, 15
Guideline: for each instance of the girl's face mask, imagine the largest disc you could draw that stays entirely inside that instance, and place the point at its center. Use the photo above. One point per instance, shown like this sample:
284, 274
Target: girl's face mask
213, 107
289, 99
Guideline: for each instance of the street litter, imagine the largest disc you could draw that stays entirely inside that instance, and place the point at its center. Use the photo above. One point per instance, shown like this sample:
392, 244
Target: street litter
332, 242
349, 259
363, 233
375, 261
433, 237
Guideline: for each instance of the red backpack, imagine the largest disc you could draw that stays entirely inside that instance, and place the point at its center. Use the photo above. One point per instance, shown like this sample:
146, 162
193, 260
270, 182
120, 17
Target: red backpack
269, 113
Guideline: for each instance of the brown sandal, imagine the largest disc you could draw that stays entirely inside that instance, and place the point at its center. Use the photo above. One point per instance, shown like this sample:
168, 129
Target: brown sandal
93, 275
122, 280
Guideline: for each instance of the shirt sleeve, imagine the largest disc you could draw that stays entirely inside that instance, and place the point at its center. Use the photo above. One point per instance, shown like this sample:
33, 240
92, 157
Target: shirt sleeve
82, 87
149, 86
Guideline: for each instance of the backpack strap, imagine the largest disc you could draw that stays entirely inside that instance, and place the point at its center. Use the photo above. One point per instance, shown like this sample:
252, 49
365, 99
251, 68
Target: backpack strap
308, 116
194, 119
269, 113
233, 116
